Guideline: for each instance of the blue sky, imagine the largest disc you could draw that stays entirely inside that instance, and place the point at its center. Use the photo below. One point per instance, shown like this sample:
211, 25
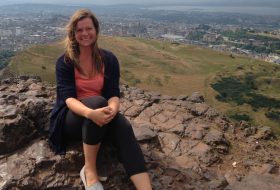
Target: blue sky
271, 3
100, 1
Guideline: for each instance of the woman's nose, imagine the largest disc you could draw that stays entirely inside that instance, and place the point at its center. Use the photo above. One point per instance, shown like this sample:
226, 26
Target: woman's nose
84, 32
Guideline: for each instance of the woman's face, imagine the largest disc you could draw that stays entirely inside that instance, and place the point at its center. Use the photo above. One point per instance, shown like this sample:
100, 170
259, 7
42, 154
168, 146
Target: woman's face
85, 33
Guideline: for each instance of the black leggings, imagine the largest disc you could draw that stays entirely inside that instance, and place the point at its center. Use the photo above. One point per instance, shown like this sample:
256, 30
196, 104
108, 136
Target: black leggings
119, 131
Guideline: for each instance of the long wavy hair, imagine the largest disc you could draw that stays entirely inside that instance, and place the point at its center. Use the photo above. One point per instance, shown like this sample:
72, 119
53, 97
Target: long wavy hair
72, 47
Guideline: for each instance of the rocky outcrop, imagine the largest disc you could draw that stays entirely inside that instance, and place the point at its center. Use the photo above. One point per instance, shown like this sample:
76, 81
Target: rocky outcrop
187, 144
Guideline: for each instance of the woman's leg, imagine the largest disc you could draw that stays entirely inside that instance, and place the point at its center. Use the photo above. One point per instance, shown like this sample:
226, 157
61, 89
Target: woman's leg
90, 153
130, 153
141, 181
90, 133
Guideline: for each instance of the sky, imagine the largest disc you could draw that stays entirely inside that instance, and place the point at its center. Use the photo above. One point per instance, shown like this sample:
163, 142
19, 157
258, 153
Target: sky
123, 1
105, 2
271, 3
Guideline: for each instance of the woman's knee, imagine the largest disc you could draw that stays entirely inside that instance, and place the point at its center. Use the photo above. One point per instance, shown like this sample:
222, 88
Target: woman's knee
121, 129
95, 102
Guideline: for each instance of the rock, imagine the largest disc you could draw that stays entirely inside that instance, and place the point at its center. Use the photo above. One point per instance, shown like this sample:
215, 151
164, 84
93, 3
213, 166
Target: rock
3, 88
215, 137
196, 98
197, 135
211, 113
203, 153
166, 182
250, 131
169, 107
159, 119
182, 97
223, 124
133, 111
187, 117
125, 105
186, 143
35, 87
187, 162
244, 124
15, 133
264, 133
168, 142
153, 110
265, 169
199, 109
18, 168
231, 177
170, 125
139, 102
256, 182
195, 128
142, 132
8, 112
165, 97
218, 184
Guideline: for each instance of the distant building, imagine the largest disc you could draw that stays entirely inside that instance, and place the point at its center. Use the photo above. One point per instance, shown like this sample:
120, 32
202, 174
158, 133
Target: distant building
5, 33
19, 31
211, 37
243, 51
173, 38
273, 58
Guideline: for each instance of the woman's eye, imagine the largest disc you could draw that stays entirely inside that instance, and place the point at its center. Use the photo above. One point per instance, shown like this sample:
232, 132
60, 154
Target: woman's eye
89, 29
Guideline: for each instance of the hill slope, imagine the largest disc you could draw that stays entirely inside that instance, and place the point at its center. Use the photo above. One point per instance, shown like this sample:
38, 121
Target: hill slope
174, 69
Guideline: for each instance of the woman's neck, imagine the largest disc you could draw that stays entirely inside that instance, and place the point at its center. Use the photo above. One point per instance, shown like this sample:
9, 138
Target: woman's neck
86, 61
85, 52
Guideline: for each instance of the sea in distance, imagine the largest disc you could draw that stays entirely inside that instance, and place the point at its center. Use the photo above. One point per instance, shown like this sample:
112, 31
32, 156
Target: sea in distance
223, 9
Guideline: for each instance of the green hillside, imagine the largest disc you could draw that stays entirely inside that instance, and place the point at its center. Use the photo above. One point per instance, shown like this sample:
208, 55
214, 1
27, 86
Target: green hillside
241, 87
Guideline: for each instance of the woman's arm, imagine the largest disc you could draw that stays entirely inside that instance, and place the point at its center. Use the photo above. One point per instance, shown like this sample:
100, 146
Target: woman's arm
114, 104
100, 116
78, 107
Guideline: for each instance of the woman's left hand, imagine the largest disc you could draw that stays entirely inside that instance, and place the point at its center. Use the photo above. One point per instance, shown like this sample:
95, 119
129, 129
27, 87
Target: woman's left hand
113, 105
111, 115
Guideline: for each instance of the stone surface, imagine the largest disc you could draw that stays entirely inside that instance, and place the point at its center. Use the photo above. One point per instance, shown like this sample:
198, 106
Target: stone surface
143, 132
257, 182
187, 144
196, 97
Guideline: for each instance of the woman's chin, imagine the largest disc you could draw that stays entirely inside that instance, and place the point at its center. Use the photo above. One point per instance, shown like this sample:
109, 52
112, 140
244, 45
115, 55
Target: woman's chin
85, 44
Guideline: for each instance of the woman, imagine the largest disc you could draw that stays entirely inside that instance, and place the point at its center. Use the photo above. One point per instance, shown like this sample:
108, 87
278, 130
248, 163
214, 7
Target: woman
87, 105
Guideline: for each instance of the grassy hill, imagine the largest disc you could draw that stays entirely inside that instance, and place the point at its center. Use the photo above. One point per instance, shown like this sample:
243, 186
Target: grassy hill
232, 84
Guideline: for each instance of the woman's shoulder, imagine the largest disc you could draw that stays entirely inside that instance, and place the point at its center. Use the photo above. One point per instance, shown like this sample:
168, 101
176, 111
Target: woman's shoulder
61, 61
110, 58
107, 54
61, 57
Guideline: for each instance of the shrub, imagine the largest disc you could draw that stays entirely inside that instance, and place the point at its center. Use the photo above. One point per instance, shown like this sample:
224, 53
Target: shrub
239, 117
273, 115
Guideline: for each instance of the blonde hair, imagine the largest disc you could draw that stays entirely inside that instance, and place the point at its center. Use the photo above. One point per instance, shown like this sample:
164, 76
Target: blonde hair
72, 47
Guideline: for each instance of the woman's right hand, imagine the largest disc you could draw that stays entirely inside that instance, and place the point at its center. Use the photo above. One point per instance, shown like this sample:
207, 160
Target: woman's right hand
100, 116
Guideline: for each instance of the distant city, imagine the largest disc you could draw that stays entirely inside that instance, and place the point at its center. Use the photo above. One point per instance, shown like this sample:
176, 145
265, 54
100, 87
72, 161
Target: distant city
257, 36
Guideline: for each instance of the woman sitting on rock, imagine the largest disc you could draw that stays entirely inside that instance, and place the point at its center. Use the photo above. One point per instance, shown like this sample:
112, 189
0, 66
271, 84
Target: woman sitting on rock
87, 104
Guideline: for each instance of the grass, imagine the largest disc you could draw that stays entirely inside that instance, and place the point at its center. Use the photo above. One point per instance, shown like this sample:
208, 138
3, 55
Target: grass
171, 69
267, 35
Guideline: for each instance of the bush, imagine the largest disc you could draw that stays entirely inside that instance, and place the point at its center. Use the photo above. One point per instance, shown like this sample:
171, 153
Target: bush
232, 89
240, 117
5, 58
273, 115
